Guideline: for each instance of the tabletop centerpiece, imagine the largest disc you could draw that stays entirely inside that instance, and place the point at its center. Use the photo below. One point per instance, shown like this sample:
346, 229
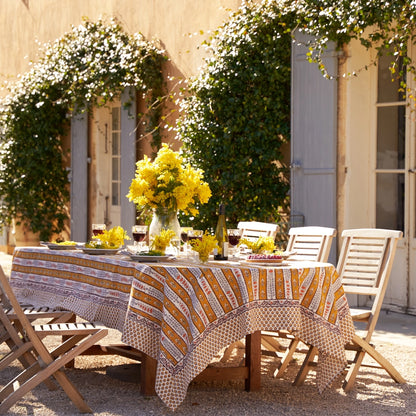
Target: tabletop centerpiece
160, 242
204, 246
164, 187
262, 245
111, 239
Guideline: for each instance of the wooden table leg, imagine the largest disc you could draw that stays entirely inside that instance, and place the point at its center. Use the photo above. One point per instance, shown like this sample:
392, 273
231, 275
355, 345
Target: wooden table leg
148, 375
253, 361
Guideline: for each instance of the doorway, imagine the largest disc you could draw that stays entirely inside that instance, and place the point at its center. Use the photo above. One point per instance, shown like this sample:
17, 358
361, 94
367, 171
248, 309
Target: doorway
106, 173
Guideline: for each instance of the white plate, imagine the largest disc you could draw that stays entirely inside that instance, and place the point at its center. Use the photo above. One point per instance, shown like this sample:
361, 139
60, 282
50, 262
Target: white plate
149, 259
100, 251
264, 260
55, 246
264, 263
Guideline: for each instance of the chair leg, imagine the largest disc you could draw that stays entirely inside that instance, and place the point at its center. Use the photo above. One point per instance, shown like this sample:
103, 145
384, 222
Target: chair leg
366, 348
304, 369
353, 371
228, 351
39, 376
287, 357
270, 343
35, 375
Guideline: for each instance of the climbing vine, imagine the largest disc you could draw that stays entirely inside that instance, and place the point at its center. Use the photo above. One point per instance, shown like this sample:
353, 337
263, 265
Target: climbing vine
236, 117
236, 112
89, 66
388, 27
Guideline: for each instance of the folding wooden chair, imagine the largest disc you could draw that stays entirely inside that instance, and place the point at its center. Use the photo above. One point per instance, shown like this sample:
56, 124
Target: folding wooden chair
26, 345
364, 264
34, 313
309, 244
252, 230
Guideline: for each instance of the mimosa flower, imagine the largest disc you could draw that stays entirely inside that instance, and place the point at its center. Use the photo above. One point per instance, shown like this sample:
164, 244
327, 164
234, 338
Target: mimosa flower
261, 245
109, 239
168, 183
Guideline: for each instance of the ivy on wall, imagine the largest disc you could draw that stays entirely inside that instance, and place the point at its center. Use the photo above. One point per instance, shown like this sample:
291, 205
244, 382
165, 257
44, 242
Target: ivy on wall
236, 114
236, 117
389, 27
86, 68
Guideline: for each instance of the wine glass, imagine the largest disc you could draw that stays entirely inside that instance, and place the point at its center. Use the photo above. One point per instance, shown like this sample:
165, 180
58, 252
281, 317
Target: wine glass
98, 229
139, 235
234, 235
195, 235
184, 238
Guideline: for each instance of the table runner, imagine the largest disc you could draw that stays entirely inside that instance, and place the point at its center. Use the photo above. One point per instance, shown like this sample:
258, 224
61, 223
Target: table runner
183, 314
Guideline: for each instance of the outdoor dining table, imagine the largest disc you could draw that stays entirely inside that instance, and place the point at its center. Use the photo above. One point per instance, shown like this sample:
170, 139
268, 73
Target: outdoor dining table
181, 314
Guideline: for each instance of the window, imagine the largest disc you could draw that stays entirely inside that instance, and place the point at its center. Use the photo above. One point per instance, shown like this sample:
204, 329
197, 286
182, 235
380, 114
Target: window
391, 148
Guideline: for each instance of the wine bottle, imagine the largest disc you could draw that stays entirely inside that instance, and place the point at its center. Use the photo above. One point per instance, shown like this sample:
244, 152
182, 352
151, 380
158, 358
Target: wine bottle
221, 235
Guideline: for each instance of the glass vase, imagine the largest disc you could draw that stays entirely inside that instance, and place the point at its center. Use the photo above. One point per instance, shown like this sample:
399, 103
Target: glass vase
164, 219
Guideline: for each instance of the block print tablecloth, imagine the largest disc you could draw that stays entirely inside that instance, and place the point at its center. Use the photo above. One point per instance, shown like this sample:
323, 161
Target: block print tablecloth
183, 314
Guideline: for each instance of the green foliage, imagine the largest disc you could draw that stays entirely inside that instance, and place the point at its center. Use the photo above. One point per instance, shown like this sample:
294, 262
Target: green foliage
85, 68
237, 116
387, 26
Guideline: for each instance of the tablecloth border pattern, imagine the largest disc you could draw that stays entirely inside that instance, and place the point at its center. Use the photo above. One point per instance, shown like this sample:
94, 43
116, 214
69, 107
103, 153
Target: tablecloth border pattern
182, 315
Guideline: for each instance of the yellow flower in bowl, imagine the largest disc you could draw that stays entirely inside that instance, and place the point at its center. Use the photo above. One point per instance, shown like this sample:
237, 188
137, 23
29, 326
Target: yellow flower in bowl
109, 239
204, 246
261, 245
161, 241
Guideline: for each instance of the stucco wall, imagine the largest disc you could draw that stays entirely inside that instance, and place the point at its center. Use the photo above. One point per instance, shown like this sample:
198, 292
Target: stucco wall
179, 25
173, 22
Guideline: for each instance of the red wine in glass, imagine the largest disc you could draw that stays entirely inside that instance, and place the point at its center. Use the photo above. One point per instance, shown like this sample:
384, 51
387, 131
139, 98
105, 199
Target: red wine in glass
139, 233
195, 235
233, 239
139, 236
98, 229
234, 235
184, 237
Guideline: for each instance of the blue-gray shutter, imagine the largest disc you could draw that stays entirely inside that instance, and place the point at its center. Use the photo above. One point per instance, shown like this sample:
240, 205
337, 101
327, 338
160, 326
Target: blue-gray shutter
128, 156
79, 177
313, 139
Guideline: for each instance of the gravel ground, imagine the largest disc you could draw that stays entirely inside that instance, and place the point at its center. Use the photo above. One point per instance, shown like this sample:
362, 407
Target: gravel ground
108, 394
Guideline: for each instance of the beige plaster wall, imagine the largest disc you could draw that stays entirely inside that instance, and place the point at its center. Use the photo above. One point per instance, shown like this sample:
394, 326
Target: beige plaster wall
173, 22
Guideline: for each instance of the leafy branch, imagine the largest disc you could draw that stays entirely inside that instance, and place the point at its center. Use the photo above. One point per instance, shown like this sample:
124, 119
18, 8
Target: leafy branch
89, 66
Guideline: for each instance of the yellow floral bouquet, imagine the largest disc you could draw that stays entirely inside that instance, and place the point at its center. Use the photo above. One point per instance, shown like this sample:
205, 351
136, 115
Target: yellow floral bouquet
261, 245
168, 183
205, 246
161, 241
109, 239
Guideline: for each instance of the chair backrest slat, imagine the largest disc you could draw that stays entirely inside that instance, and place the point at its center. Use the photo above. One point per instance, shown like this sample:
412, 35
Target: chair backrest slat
252, 230
365, 264
311, 243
